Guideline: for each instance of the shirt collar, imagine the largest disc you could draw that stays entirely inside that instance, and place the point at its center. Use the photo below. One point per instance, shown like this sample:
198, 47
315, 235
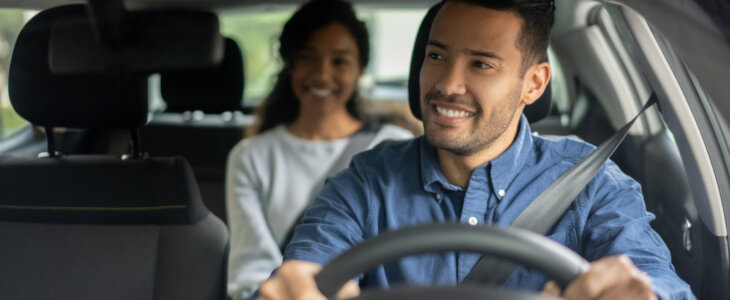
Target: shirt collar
503, 169
506, 166
430, 170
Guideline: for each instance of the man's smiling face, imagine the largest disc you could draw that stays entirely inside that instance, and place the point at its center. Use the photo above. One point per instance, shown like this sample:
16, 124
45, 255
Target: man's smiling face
471, 79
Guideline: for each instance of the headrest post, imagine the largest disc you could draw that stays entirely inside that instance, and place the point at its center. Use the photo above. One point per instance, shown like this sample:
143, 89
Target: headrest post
51, 142
136, 143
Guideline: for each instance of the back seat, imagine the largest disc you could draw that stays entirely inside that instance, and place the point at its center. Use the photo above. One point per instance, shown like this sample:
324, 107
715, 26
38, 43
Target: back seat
202, 122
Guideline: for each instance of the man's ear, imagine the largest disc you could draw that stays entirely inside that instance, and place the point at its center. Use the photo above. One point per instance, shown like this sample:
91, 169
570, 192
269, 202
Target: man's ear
534, 83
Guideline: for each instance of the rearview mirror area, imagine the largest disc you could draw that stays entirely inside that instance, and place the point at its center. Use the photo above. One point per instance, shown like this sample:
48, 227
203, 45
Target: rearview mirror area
149, 41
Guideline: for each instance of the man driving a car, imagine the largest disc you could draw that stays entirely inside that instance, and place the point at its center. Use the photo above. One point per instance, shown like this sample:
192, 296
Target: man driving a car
479, 164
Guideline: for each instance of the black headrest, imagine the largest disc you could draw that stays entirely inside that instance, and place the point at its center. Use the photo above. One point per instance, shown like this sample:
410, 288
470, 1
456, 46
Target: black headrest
79, 101
212, 90
535, 112
99, 190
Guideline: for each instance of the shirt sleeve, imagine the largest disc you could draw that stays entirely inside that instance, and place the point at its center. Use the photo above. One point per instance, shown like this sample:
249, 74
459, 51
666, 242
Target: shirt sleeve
335, 222
618, 223
254, 253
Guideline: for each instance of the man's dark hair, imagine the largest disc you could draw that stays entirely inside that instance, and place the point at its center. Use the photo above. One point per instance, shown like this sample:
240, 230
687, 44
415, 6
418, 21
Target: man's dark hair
281, 106
538, 17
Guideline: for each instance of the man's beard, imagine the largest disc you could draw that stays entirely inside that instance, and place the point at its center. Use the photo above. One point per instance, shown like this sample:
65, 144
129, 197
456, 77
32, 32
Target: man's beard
484, 131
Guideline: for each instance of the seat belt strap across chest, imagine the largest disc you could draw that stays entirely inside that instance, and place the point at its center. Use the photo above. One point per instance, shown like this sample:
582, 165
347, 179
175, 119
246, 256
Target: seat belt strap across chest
549, 206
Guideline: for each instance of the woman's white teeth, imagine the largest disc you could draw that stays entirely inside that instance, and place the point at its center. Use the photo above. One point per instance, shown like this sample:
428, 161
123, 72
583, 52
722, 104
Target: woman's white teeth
452, 113
320, 92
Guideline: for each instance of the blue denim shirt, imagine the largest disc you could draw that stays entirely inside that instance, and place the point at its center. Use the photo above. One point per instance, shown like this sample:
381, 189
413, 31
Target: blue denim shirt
401, 185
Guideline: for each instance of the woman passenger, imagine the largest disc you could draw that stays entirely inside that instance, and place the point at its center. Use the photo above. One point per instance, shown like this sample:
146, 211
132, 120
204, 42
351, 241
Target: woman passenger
309, 125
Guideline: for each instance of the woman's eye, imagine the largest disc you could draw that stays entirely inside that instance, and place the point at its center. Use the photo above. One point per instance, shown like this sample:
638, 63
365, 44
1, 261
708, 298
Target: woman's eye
340, 62
304, 57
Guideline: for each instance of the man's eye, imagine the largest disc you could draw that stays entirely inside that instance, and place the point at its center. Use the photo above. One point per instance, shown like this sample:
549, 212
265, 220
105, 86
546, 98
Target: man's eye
482, 65
435, 56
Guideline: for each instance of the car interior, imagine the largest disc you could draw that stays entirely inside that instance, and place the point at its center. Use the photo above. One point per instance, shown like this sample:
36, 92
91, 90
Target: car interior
112, 181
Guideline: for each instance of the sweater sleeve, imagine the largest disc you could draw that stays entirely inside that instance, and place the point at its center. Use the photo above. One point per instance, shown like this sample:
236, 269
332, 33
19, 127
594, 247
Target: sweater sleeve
336, 221
254, 252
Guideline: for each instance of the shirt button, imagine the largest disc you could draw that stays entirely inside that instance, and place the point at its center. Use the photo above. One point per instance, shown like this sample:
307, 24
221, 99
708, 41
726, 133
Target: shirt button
501, 193
438, 196
473, 221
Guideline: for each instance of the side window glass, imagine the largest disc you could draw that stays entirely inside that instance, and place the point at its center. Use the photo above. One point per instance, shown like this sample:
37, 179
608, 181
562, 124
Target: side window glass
11, 21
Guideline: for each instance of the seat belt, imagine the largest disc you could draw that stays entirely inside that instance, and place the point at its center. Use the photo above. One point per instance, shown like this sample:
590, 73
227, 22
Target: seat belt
549, 206
359, 141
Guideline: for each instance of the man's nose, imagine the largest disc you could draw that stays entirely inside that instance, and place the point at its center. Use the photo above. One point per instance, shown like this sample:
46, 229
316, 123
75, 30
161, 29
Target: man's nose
452, 81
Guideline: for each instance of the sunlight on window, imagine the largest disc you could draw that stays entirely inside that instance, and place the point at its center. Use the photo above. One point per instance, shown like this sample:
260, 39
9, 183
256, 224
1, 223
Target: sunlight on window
11, 21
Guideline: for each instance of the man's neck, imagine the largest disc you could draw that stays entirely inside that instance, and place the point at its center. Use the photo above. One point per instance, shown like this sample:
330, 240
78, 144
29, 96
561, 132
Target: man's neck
324, 127
457, 169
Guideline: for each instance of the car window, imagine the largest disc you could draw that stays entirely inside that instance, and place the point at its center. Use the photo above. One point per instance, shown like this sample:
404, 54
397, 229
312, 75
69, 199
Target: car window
11, 21
392, 31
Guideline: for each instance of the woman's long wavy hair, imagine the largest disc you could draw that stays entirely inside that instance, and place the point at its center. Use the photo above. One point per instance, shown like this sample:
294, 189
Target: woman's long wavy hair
282, 106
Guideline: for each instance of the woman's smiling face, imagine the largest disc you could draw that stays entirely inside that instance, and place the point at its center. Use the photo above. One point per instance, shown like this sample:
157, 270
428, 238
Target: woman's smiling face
325, 72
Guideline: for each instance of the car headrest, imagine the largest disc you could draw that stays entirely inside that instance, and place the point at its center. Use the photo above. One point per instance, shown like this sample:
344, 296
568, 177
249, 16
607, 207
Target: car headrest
99, 190
211, 90
534, 112
78, 101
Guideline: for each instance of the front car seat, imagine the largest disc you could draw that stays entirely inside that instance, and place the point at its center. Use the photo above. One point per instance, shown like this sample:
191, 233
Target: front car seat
98, 226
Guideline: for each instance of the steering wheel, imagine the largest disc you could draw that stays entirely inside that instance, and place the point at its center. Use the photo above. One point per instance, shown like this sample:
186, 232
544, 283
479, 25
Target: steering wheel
517, 245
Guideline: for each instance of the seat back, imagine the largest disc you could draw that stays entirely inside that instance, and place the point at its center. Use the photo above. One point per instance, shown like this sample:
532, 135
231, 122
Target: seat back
98, 226
202, 122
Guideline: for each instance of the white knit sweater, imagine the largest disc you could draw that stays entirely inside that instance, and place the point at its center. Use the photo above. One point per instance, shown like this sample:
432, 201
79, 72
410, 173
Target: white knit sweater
270, 179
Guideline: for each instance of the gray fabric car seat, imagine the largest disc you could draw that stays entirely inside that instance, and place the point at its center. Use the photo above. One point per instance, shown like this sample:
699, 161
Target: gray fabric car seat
98, 226
202, 122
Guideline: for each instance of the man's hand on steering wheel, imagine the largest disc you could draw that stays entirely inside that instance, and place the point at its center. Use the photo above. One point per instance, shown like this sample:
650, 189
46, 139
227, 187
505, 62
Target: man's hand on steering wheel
613, 277
295, 280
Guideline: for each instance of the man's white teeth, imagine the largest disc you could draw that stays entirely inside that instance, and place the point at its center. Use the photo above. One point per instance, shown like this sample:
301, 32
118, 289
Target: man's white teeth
451, 113
320, 92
